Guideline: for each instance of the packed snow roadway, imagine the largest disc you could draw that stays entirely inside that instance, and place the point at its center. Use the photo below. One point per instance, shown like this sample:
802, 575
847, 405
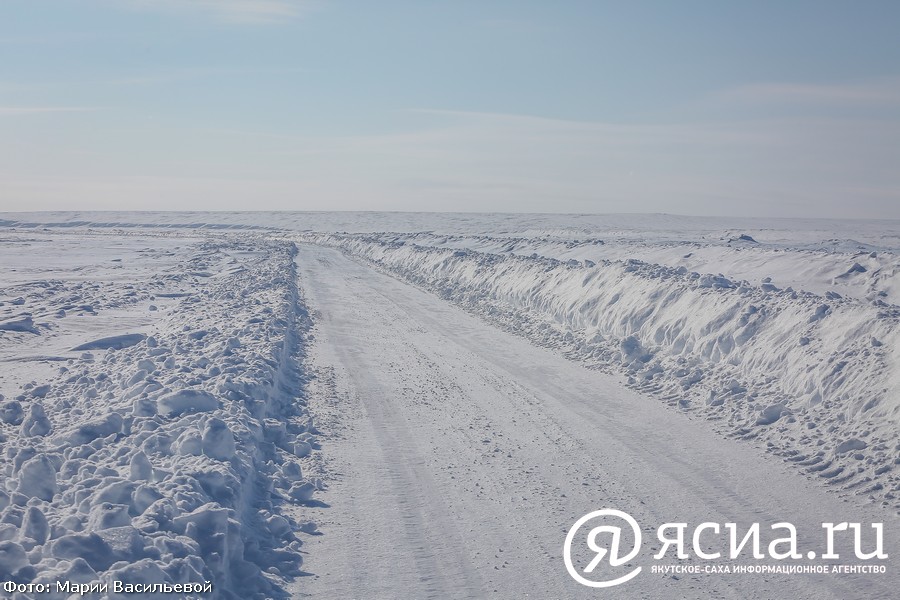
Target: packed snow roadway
461, 455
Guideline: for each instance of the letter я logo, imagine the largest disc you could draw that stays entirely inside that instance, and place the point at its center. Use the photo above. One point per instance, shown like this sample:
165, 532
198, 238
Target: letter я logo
600, 552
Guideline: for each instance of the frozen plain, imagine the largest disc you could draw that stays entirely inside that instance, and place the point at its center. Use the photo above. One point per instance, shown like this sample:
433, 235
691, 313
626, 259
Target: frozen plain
410, 405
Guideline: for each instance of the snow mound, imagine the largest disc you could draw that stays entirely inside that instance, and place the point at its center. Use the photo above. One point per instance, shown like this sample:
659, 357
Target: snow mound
117, 342
151, 460
23, 323
184, 401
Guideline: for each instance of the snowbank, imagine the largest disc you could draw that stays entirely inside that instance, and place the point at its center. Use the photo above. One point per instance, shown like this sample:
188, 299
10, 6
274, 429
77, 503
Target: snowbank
154, 459
814, 377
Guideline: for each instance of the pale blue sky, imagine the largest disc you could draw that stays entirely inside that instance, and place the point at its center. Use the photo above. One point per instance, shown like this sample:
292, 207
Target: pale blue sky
720, 108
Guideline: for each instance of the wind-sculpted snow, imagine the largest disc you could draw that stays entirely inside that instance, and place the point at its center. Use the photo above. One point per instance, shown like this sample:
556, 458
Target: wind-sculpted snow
169, 457
825, 265
813, 376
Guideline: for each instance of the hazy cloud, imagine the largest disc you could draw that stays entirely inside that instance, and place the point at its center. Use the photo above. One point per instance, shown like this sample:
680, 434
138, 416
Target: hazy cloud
866, 93
32, 110
237, 11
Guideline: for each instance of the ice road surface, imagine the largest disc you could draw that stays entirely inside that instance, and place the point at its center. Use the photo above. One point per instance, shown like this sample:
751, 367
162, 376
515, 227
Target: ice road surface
419, 406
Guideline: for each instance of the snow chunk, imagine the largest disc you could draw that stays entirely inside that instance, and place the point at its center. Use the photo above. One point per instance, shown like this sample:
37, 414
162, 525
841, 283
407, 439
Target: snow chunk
770, 414
302, 492
90, 431
850, 445
37, 478
116, 342
218, 441
12, 558
36, 423
743, 238
12, 413
183, 401
90, 547
35, 525
23, 323
106, 515
140, 467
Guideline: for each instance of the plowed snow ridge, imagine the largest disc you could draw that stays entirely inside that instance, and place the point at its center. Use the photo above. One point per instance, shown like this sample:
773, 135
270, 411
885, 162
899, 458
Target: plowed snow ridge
169, 459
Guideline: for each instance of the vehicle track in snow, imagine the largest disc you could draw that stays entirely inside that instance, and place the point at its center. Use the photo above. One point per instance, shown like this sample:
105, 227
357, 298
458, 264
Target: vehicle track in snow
457, 456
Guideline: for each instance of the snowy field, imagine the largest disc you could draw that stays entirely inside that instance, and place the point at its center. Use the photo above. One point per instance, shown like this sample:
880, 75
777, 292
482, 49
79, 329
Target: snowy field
389, 405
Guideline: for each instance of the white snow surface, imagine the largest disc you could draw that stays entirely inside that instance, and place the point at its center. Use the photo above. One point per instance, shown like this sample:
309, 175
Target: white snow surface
162, 448
156, 423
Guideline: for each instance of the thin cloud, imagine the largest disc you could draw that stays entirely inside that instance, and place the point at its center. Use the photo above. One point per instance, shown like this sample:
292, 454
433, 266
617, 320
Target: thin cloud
55, 38
191, 73
150, 78
235, 11
34, 110
520, 26
622, 133
867, 93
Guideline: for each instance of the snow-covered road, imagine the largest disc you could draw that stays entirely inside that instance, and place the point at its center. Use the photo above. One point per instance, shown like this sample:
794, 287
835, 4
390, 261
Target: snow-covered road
457, 456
